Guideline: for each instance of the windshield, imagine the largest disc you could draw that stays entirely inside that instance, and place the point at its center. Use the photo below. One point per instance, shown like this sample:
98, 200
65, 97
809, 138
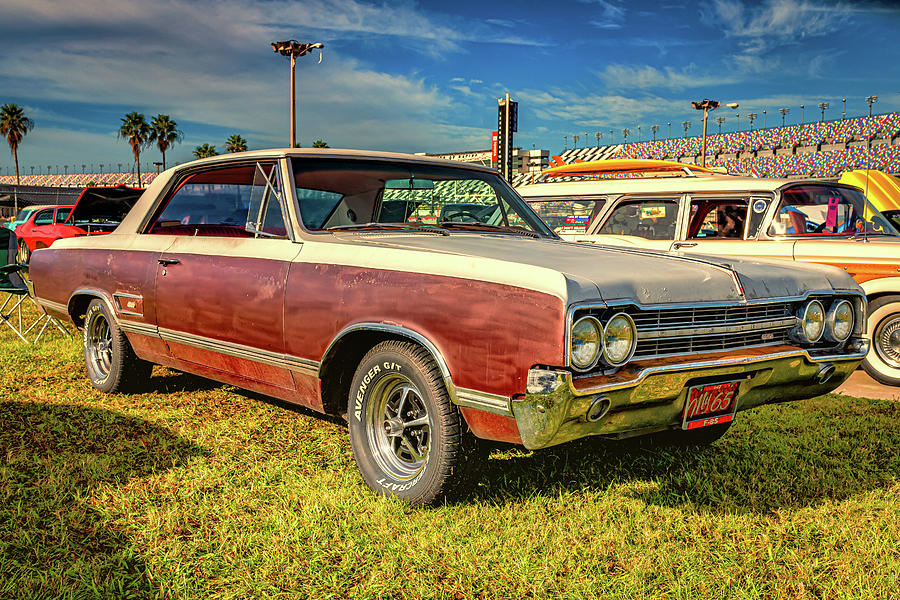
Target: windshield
353, 194
825, 210
24, 214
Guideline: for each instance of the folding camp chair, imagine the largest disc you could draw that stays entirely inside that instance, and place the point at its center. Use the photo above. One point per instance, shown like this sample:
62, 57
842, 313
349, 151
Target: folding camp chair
12, 284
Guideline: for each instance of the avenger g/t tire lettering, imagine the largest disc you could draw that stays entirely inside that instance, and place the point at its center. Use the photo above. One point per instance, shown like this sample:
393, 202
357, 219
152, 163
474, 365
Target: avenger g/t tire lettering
406, 435
112, 365
882, 362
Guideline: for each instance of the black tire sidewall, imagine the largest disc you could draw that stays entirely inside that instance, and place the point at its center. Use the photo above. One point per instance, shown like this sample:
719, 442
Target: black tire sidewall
419, 489
109, 382
873, 364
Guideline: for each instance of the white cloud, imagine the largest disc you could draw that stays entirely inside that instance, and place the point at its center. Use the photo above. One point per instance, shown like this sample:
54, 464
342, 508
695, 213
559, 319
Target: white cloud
612, 15
782, 20
598, 111
623, 77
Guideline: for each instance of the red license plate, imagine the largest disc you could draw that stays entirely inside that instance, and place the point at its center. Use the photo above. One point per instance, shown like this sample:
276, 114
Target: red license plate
710, 404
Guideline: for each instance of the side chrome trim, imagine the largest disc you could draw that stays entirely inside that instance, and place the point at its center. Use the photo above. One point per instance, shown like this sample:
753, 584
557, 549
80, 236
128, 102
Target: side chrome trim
404, 332
139, 328
492, 403
274, 359
57, 306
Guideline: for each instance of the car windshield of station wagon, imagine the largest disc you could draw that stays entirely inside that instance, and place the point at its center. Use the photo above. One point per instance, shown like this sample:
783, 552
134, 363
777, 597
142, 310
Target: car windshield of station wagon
567, 215
337, 194
820, 210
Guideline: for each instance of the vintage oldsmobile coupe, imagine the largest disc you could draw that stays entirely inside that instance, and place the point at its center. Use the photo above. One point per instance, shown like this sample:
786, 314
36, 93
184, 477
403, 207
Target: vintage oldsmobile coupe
366, 285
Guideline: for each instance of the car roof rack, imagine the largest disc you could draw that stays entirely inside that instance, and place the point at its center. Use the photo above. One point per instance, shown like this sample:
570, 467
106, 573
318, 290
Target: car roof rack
623, 166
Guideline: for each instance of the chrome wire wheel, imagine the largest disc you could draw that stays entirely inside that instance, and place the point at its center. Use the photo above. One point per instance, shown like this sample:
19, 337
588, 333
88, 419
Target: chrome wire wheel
398, 427
887, 341
99, 345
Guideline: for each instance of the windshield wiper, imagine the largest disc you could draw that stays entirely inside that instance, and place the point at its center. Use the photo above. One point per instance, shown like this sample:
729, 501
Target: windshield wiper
390, 227
470, 226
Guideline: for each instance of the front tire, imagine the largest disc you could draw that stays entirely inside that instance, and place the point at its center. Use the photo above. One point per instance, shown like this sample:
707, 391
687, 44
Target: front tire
406, 435
24, 253
883, 361
112, 365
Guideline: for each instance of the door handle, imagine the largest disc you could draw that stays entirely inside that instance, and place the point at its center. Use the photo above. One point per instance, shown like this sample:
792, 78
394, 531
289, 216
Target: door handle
678, 245
168, 261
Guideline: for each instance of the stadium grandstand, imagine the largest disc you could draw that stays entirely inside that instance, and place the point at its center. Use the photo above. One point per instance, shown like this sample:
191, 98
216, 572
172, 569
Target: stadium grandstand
79, 180
824, 149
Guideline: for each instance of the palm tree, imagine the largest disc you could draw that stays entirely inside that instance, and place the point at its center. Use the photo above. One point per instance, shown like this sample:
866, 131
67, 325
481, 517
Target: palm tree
205, 151
320, 143
235, 144
164, 131
136, 131
14, 125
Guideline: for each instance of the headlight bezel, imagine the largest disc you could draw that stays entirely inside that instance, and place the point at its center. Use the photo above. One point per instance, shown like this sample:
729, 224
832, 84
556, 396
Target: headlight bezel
831, 321
599, 354
634, 339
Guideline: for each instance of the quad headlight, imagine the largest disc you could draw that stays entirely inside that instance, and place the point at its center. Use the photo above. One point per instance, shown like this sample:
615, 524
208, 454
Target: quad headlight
812, 322
592, 342
839, 321
619, 340
587, 343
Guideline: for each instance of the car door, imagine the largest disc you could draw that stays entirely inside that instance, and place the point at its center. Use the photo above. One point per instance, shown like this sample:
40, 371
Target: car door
729, 225
220, 283
649, 222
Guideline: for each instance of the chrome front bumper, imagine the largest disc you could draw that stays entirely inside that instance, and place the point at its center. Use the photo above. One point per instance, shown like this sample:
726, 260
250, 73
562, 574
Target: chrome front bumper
559, 408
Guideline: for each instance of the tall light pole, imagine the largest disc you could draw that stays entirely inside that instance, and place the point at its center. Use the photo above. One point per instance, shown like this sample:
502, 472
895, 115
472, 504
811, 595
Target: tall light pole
801, 114
822, 107
611, 136
670, 129
574, 141
625, 133
764, 120
705, 105
720, 120
565, 142
752, 117
783, 112
844, 110
599, 135
871, 100
639, 133
293, 48
654, 129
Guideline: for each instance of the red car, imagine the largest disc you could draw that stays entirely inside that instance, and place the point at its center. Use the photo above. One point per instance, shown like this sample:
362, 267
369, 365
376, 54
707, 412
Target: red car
97, 210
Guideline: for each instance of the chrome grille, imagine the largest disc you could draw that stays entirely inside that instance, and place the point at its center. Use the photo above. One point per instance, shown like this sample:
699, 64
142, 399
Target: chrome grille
710, 329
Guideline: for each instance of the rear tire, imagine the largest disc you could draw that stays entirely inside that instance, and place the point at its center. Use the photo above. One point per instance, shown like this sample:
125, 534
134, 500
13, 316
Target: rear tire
883, 361
112, 365
24, 253
408, 439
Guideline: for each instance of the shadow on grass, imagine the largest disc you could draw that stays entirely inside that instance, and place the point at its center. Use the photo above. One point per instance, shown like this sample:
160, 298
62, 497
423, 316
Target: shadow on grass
53, 540
779, 456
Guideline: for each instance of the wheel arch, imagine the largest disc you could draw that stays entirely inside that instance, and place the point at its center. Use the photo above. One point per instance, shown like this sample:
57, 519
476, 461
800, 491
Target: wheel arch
79, 301
351, 344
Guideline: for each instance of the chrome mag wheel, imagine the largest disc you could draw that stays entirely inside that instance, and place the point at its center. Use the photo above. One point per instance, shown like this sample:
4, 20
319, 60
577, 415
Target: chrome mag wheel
99, 345
398, 427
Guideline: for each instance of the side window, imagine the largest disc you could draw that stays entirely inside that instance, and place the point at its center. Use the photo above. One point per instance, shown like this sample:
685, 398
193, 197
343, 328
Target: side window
650, 219
717, 219
228, 202
62, 214
45, 217
567, 215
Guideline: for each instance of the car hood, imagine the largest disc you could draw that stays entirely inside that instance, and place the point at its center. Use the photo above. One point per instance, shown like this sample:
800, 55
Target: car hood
611, 273
111, 203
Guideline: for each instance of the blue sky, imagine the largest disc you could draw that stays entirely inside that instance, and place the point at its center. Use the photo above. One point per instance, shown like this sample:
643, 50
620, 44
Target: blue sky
425, 76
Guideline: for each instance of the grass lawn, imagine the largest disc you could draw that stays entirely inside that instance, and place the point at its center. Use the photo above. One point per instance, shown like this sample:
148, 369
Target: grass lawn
197, 490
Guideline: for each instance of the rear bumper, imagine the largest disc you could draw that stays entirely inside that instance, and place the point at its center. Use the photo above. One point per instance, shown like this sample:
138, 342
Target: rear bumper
652, 398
